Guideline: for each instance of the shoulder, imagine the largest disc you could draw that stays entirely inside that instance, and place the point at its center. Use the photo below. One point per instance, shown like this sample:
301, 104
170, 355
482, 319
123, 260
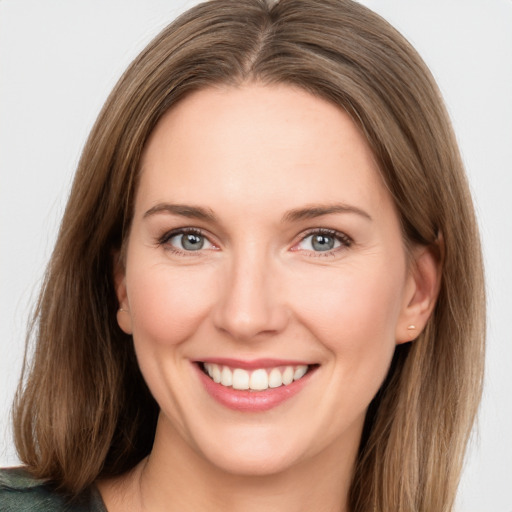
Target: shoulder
20, 492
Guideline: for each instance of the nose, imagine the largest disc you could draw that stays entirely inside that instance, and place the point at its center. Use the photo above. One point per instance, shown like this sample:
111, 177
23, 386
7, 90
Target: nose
251, 304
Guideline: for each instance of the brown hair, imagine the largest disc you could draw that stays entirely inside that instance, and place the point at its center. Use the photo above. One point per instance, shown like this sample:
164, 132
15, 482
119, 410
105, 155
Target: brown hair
83, 409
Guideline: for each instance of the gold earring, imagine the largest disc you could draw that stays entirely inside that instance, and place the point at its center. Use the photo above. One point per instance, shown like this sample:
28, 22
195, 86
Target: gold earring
124, 310
411, 327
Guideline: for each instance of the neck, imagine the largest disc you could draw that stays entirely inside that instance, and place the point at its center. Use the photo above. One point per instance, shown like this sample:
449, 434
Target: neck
191, 483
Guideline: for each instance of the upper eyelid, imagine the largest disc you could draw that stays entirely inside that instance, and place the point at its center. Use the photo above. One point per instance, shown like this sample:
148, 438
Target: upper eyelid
326, 231
184, 230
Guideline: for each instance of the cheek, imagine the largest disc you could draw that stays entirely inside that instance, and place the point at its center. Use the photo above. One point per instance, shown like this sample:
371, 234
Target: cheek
168, 304
354, 312
353, 315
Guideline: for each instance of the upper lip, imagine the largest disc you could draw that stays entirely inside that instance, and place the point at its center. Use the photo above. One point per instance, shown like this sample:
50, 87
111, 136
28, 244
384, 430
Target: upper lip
253, 364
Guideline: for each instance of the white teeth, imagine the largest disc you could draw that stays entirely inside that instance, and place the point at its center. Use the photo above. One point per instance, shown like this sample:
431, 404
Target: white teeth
209, 368
288, 375
240, 379
226, 378
275, 379
300, 371
258, 380
216, 373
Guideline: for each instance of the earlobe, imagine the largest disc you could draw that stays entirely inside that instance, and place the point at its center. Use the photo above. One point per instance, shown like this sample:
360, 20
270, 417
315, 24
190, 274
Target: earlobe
421, 292
124, 320
123, 313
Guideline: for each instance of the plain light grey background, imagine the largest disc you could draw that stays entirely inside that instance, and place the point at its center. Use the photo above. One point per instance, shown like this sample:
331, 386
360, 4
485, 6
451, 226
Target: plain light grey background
58, 62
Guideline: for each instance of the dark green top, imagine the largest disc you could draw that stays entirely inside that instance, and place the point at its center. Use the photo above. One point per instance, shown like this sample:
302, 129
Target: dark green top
19, 492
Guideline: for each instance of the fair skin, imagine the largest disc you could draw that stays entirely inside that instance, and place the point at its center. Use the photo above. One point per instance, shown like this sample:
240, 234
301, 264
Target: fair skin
296, 256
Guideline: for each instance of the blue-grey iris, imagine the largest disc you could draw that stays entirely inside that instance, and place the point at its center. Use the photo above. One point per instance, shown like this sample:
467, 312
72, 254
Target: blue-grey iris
192, 242
322, 242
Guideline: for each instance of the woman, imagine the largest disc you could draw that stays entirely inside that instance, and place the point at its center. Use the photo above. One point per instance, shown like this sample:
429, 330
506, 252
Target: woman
258, 279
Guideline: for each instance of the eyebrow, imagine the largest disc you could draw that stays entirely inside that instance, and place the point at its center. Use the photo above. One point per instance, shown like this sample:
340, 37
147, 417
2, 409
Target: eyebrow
183, 210
295, 215
317, 210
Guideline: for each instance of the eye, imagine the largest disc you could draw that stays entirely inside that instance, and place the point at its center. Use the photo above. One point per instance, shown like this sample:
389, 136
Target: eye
324, 241
186, 240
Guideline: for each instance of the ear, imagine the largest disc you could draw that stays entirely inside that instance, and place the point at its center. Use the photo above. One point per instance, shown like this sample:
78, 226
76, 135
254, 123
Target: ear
421, 292
124, 318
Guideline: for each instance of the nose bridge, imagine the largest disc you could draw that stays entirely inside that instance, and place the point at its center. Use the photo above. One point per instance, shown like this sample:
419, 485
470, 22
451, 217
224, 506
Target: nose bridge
250, 301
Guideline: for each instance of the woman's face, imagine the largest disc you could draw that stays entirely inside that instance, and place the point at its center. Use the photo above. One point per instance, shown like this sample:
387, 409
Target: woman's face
264, 244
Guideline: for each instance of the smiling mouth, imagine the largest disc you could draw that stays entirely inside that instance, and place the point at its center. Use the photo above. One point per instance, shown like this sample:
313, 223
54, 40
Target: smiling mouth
260, 379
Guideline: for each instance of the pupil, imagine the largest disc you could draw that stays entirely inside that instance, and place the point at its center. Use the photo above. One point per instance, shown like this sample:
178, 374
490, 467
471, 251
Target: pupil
322, 242
192, 242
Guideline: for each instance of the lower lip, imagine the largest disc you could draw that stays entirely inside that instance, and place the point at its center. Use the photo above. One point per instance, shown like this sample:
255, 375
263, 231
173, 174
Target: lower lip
251, 401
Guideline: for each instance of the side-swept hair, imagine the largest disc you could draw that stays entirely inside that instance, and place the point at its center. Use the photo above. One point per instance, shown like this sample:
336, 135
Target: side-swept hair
83, 410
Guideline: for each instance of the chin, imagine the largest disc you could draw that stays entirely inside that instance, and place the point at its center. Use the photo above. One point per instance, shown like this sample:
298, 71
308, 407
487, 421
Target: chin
251, 451
253, 464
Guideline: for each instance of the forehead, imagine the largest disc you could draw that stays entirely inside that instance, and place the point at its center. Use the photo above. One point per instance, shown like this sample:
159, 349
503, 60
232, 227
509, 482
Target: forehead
258, 144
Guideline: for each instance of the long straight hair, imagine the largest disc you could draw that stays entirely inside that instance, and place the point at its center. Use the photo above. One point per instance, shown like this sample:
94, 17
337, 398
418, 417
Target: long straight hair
83, 410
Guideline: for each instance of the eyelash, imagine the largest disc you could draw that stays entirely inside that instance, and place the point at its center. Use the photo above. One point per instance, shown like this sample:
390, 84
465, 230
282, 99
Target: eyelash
164, 240
345, 241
